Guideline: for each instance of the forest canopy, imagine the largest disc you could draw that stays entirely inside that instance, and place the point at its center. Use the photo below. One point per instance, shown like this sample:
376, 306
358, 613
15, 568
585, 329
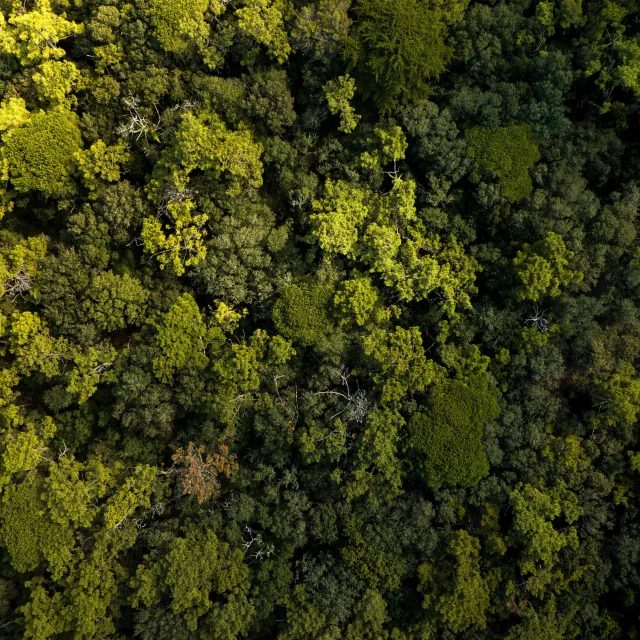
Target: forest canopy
319, 320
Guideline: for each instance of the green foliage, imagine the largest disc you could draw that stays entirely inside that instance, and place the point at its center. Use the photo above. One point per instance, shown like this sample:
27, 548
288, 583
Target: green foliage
55, 80
264, 21
384, 233
204, 143
182, 337
544, 267
449, 433
18, 266
358, 302
508, 153
461, 601
180, 241
177, 25
302, 313
40, 154
339, 94
33, 36
400, 48
101, 162
114, 302
534, 512
305, 333
400, 361
195, 566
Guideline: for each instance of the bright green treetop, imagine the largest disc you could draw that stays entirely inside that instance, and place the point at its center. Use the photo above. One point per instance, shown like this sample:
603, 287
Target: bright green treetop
544, 267
301, 313
179, 24
33, 36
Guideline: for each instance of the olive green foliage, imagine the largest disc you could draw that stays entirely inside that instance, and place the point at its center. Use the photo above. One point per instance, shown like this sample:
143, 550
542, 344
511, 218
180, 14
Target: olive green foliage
302, 313
449, 433
400, 47
508, 153
194, 566
40, 154
463, 603
183, 338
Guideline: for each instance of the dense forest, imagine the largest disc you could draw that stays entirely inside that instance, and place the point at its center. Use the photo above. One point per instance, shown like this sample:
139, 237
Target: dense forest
319, 320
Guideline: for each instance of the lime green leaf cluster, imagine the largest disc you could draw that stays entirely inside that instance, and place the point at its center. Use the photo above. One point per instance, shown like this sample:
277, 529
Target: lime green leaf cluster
179, 24
339, 94
507, 152
178, 242
383, 233
401, 364
35, 349
535, 509
18, 266
449, 432
357, 302
32, 36
264, 21
544, 267
55, 80
241, 370
204, 142
100, 162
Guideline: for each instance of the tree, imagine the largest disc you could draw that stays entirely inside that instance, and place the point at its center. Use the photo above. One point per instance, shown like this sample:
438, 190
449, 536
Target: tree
18, 266
115, 301
195, 566
205, 143
383, 233
182, 338
339, 94
264, 21
544, 267
461, 599
302, 313
177, 25
509, 153
32, 36
399, 48
40, 154
449, 433
534, 511
358, 302
178, 242
400, 361
55, 80
198, 473
101, 162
